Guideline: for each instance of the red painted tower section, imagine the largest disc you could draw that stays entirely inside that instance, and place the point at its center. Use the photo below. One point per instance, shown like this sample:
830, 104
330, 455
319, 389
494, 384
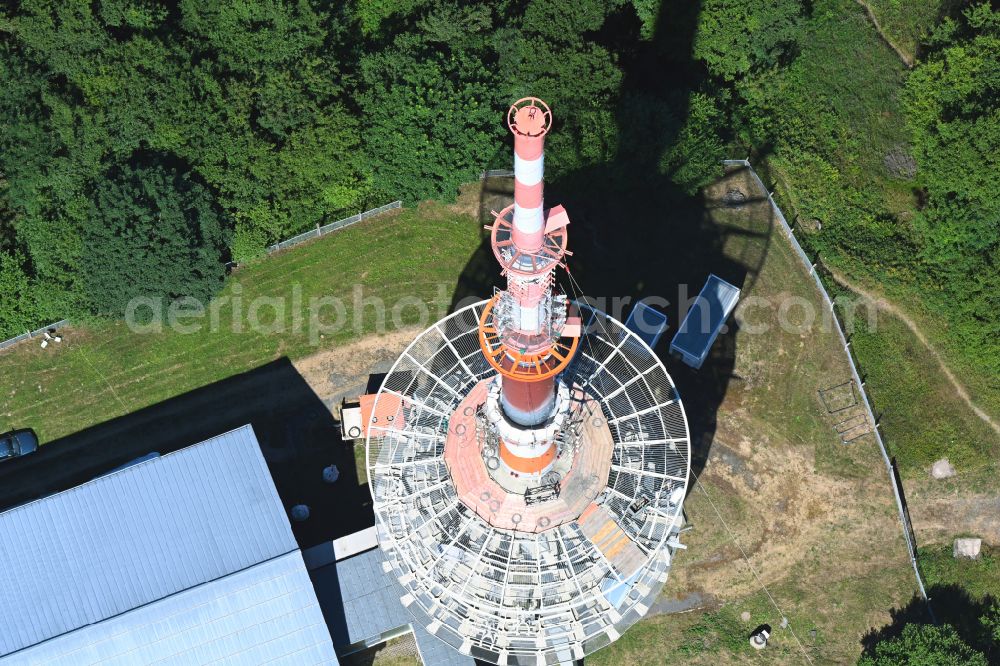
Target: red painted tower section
525, 331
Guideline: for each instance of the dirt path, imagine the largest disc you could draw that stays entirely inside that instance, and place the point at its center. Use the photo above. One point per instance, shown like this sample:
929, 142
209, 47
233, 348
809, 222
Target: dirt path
906, 58
891, 308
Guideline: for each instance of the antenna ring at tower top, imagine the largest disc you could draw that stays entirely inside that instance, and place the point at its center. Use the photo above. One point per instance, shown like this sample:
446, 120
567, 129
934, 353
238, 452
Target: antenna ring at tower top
529, 116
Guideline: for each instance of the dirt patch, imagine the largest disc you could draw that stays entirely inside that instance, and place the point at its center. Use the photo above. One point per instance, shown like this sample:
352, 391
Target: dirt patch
780, 511
401, 651
343, 371
478, 200
942, 509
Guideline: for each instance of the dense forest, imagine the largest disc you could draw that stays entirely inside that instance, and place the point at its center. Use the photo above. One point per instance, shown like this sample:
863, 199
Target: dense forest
145, 143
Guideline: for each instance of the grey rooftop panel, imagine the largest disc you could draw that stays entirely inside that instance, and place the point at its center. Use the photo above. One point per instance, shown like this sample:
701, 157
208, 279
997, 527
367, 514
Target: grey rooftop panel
264, 614
368, 596
435, 651
136, 536
704, 320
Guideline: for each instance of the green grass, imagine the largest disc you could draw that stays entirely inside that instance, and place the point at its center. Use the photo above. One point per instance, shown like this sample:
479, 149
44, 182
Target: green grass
105, 370
847, 82
980, 578
922, 417
860, 104
983, 388
698, 637
907, 22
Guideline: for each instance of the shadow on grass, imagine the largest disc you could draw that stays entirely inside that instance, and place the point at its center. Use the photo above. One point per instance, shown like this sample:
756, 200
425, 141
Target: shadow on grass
953, 605
296, 430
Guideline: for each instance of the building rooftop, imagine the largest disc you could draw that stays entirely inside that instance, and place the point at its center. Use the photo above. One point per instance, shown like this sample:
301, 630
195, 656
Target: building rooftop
187, 557
362, 603
701, 325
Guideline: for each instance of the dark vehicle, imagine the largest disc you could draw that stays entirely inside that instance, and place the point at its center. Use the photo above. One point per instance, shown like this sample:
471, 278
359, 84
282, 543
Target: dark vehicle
17, 443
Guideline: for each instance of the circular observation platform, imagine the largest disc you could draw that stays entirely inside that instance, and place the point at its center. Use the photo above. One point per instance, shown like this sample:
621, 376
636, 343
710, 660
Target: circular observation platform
520, 262
526, 576
508, 500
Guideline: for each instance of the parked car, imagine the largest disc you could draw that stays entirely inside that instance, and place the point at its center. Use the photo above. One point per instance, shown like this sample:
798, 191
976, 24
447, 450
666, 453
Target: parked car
17, 443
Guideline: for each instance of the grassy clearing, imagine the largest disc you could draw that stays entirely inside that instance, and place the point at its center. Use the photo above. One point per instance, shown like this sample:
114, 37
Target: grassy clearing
981, 578
852, 81
106, 370
922, 417
983, 388
907, 22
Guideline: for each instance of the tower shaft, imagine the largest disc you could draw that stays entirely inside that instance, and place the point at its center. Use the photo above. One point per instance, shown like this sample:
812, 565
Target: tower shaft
523, 329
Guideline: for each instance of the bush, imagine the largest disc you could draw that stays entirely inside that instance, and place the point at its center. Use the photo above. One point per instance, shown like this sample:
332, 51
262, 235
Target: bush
924, 645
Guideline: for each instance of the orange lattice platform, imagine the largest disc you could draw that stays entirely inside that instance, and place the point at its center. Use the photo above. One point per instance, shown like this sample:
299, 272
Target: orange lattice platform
504, 509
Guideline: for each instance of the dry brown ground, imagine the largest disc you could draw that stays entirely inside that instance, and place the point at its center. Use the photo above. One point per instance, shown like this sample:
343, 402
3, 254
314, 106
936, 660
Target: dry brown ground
334, 373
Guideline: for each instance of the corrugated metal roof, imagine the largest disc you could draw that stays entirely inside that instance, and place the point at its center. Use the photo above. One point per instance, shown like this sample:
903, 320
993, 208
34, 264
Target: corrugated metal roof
264, 614
435, 651
370, 601
137, 536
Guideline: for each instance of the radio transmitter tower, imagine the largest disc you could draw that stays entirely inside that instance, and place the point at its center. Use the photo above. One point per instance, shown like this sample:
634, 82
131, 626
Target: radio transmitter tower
528, 456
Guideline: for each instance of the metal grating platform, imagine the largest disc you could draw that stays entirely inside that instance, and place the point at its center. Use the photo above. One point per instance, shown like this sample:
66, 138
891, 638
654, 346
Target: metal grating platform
539, 595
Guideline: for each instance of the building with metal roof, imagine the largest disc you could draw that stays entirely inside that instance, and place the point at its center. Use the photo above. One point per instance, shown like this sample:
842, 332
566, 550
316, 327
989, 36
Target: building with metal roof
186, 558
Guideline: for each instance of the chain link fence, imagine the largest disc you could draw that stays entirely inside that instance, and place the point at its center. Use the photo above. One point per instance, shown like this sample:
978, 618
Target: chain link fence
29, 335
904, 517
496, 173
333, 226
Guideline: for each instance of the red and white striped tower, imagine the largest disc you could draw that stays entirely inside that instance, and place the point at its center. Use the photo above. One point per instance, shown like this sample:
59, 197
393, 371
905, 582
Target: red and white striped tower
525, 331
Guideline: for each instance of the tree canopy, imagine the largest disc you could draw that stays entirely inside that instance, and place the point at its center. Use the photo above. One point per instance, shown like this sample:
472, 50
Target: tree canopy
281, 115
954, 118
924, 645
153, 233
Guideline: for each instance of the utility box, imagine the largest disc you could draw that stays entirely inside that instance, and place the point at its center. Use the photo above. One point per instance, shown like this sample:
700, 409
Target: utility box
701, 325
357, 416
350, 420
